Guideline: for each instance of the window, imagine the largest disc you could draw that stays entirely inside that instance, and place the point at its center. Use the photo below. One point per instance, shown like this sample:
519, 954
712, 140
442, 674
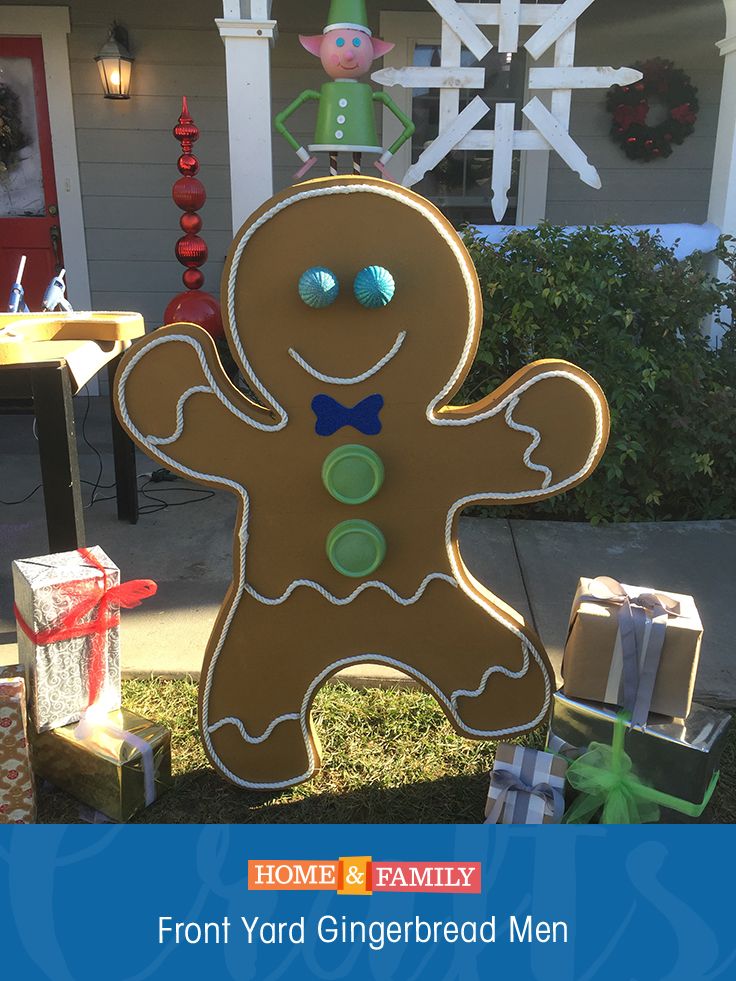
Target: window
460, 184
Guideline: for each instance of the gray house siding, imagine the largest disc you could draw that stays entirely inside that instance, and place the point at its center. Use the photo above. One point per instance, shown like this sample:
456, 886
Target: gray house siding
127, 154
619, 32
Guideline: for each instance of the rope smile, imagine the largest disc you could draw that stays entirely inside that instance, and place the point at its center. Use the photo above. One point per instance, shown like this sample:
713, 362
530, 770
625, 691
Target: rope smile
331, 380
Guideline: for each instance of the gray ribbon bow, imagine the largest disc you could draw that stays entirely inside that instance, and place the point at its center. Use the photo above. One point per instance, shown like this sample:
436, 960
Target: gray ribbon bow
635, 612
506, 782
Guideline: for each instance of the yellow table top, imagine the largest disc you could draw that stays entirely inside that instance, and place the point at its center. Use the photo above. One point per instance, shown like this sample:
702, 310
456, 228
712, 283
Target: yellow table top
19, 330
85, 341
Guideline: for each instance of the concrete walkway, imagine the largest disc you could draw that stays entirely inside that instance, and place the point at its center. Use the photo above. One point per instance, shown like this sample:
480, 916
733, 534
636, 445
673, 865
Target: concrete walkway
534, 566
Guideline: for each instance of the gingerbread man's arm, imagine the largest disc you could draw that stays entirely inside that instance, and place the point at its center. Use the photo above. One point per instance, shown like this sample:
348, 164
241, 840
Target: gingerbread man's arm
174, 398
542, 432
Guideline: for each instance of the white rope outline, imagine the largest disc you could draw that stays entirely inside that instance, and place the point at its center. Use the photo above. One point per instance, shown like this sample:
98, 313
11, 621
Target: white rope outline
332, 380
163, 440
155, 341
536, 440
507, 405
344, 601
242, 533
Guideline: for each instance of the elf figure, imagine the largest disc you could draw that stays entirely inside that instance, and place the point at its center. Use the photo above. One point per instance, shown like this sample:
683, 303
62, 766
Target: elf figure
346, 119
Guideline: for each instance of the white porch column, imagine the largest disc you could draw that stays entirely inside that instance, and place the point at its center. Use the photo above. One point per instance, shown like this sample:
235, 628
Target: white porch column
722, 208
247, 33
722, 204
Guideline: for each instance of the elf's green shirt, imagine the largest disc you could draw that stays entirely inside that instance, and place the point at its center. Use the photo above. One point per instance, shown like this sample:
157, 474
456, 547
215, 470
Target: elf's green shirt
346, 119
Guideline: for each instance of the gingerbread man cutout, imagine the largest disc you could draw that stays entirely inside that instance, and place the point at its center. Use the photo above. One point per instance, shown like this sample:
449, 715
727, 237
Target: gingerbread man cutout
351, 473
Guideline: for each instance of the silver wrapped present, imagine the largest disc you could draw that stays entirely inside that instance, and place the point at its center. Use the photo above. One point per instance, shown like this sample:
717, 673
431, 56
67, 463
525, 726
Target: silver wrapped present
677, 757
527, 787
68, 635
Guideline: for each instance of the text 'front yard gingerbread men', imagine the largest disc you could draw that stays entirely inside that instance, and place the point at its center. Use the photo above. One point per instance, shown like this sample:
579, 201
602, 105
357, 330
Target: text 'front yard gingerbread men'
354, 311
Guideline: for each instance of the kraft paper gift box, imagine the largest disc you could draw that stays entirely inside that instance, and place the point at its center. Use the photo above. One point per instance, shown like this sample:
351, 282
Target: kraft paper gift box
527, 787
632, 647
67, 611
17, 791
117, 764
677, 757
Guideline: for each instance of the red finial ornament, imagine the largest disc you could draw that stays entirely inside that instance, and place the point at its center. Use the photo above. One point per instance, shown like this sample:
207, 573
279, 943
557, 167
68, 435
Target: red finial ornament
195, 306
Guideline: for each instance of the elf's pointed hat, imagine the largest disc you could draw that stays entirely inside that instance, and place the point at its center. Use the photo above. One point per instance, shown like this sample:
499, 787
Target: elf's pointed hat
348, 15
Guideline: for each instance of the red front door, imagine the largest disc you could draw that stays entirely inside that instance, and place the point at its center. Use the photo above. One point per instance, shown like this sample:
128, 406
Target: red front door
29, 215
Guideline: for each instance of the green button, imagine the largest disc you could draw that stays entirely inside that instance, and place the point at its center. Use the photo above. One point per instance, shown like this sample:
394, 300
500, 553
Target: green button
356, 548
353, 474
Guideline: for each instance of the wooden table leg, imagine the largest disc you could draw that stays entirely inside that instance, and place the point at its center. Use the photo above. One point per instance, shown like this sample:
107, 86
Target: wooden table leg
57, 445
123, 447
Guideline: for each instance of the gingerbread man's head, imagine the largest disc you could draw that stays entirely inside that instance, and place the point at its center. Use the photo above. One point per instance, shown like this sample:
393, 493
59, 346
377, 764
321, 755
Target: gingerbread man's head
351, 286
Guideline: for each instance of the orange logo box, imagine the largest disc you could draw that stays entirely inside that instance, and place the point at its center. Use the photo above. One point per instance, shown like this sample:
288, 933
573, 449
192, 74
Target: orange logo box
282, 874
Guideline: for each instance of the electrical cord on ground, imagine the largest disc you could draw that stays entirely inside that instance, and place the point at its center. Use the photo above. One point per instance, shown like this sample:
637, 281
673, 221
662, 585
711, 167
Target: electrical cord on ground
160, 504
22, 500
156, 477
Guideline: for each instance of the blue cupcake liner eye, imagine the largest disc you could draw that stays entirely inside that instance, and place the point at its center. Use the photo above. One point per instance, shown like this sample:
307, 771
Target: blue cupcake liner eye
318, 287
356, 42
340, 42
374, 287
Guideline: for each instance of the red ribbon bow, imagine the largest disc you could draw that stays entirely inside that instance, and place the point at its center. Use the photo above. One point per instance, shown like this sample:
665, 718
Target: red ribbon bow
88, 594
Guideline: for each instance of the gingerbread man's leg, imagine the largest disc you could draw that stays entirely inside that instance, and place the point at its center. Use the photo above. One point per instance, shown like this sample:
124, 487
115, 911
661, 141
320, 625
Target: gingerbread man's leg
492, 670
486, 671
254, 717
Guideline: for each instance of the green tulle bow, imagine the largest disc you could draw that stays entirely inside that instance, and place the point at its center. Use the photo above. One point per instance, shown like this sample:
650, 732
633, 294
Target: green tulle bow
605, 780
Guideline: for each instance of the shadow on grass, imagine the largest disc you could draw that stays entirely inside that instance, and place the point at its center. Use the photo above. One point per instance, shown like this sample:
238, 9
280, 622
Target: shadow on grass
202, 797
390, 756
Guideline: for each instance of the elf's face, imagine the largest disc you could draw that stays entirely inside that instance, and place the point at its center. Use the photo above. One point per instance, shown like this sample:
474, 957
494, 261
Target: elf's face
346, 54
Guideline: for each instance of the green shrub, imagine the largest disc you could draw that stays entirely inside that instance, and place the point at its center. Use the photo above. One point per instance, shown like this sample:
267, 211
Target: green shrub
631, 314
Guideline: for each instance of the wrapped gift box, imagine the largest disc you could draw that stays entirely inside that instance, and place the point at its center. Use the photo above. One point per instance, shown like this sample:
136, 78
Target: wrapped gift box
593, 664
520, 787
17, 792
66, 675
675, 757
119, 766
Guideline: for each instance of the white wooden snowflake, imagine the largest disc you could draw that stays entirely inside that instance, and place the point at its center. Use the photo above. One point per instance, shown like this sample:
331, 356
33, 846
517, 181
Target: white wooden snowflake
461, 23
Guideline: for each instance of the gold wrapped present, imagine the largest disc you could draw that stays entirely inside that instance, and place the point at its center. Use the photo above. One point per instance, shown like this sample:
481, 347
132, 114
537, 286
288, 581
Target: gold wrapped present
17, 792
632, 647
117, 764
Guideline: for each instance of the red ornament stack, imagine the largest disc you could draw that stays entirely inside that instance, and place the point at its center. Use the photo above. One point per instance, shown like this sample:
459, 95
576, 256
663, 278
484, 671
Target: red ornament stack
195, 306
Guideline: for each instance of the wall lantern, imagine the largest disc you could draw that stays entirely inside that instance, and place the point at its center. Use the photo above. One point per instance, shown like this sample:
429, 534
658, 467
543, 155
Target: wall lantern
115, 64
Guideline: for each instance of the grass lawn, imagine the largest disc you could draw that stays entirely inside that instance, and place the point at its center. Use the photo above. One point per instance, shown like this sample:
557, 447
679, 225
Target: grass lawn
389, 755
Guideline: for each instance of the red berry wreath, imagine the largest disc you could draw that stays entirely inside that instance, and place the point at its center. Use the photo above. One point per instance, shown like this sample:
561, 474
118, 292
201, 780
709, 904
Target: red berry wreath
629, 106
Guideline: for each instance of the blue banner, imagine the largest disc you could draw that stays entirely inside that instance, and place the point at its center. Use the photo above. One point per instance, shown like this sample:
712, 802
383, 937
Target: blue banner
117, 903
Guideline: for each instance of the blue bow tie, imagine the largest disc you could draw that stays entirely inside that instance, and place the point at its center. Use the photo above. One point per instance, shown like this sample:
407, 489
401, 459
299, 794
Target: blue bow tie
331, 415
